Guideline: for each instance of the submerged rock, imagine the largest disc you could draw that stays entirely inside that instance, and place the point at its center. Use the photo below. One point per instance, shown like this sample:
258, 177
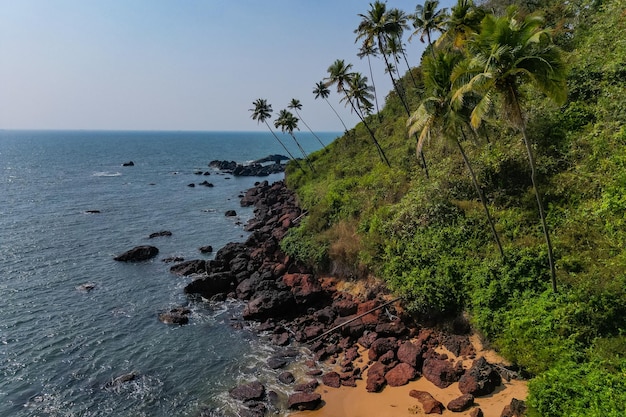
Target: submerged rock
137, 254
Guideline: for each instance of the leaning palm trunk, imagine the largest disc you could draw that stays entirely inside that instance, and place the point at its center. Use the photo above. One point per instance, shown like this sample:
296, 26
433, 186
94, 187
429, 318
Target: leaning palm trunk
531, 159
310, 130
339, 117
401, 97
381, 153
283, 145
479, 190
369, 63
306, 157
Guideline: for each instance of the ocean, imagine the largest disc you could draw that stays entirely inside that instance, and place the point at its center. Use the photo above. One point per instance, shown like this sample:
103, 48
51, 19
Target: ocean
61, 346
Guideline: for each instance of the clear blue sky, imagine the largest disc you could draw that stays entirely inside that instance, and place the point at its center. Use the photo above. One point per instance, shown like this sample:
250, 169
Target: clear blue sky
175, 64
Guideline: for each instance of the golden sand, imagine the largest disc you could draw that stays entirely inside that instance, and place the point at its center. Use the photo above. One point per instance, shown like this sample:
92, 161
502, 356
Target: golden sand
396, 402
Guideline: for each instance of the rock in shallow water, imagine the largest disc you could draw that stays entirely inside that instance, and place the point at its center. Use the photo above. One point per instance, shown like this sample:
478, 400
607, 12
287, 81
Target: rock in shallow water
137, 254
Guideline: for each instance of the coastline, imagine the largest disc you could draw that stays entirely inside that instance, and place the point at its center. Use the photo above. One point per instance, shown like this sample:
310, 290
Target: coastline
366, 359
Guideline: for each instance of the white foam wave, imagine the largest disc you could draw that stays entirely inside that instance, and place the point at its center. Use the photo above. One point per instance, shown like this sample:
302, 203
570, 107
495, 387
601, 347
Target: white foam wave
106, 174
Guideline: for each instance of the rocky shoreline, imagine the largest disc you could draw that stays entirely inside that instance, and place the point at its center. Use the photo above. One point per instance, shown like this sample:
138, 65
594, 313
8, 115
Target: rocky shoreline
344, 330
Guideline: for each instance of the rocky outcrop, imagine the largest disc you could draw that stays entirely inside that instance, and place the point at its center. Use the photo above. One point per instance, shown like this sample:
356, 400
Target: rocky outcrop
138, 254
255, 169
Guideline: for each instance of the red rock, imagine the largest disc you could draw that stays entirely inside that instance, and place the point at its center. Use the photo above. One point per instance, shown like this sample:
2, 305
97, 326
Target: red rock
440, 372
331, 379
304, 401
461, 403
307, 386
371, 318
429, 403
345, 307
303, 286
381, 346
400, 375
410, 353
477, 412
375, 377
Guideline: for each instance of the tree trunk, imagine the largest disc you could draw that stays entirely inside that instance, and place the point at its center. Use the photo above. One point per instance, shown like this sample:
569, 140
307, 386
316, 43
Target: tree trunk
307, 126
381, 153
531, 159
483, 200
283, 145
339, 117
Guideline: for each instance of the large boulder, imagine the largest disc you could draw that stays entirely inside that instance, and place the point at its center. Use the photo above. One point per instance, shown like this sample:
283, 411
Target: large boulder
138, 254
248, 392
376, 377
264, 304
410, 353
304, 401
481, 379
400, 375
441, 372
215, 283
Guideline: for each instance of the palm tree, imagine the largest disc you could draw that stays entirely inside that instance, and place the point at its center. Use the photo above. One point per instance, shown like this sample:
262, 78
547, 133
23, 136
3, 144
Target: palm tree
399, 18
358, 95
509, 52
463, 21
436, 115
321, 90
296, 105
378, 27
261, 112
287, 122
428, 19
367, 50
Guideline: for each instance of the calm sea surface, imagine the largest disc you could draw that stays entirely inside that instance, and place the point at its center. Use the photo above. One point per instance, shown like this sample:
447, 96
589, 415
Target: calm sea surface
60, 346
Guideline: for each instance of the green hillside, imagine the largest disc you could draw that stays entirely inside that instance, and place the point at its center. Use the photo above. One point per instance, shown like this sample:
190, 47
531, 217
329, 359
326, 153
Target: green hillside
424, 230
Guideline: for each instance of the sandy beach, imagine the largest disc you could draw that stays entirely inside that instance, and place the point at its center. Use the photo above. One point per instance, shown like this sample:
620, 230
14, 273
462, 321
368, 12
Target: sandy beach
396, 402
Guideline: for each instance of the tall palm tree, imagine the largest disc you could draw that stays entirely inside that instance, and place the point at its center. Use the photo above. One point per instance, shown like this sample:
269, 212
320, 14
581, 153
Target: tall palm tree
287, 122
426, 20
297, 106
358, 95
368, 50
378, 27
509, 52
321, 90
436, 115
400, 19
261, 112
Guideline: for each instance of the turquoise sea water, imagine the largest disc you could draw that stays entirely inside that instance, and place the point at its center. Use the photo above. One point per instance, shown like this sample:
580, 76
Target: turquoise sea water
59, 346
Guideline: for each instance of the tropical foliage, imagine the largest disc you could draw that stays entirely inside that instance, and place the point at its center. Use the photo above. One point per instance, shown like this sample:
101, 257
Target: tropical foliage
513, 126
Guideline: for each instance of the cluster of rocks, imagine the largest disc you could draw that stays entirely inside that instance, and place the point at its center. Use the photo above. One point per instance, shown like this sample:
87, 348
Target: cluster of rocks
294, 305
254, 169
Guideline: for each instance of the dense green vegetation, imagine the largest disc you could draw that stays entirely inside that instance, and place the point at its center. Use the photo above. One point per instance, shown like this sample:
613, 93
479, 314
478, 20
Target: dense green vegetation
421, 225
